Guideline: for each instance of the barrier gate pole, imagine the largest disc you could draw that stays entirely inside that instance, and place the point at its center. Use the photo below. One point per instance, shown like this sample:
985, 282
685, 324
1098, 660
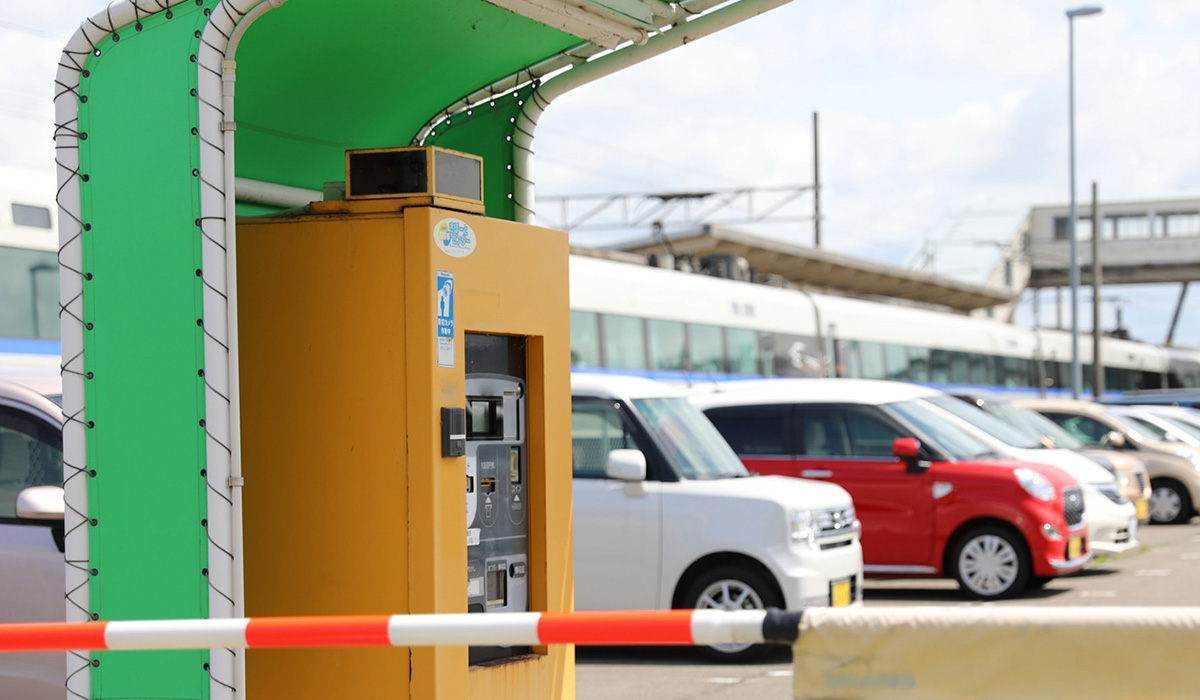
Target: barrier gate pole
675, 627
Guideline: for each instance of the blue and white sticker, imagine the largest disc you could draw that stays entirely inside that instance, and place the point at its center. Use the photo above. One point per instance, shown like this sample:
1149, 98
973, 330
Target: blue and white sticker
445, 318
454, 237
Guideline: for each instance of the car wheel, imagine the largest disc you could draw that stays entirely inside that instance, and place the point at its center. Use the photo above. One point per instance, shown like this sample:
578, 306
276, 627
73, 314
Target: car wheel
992, 563
1170, 503
733, 588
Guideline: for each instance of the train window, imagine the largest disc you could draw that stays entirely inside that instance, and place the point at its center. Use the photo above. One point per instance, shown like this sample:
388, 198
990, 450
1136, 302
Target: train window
939, 366
1031, 376
1119, 379
1014, 372
28, 294
792, 355
977, 368
667, 342
996, 365
958, 367
870, 361
895, 361
850, 360
585, 339
624, 342
1056, 374
918, 364
706, 348
1150, 380
843, 363
743, 350
28, 215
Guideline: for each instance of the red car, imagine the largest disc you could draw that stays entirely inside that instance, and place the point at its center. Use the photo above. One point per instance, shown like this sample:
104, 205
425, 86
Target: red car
933, 500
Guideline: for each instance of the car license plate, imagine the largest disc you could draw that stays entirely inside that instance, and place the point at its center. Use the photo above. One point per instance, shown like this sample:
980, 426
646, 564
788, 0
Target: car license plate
1143, 508
839, 593
1074, 547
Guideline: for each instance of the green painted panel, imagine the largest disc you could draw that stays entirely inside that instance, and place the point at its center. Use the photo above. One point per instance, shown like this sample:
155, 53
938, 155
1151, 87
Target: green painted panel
143, 347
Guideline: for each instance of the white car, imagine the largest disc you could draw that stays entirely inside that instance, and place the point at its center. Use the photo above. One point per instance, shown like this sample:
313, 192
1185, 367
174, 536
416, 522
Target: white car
1112, 520
667, 517
32, 569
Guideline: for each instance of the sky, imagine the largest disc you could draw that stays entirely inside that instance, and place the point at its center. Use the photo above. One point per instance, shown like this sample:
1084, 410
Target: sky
941, 122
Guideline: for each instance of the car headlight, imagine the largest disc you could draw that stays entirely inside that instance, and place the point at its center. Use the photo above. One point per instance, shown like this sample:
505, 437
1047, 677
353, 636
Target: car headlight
1034, 484
804, 527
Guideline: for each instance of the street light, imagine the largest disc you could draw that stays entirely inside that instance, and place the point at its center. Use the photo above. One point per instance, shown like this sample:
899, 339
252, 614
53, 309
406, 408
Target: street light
1076, 369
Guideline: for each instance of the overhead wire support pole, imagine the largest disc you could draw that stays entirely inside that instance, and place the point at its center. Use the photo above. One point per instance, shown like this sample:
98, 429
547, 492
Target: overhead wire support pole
1175, 317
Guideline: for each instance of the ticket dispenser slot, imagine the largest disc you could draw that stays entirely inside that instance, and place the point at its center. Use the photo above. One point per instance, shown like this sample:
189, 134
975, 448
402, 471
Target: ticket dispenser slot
497, 522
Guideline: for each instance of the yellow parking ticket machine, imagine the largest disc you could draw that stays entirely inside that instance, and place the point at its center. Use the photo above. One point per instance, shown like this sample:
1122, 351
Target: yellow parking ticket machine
392, 349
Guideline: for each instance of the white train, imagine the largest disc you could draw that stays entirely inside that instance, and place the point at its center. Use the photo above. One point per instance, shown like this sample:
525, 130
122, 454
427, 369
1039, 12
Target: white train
666, 324
681, 326
29, 347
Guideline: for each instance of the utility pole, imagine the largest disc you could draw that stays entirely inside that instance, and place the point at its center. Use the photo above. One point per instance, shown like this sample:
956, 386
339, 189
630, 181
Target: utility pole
816, 186
1097, 365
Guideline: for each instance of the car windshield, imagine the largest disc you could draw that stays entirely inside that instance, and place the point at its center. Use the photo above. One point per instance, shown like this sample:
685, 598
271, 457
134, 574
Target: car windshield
987, 423
1035, 424
955, 441
688, 439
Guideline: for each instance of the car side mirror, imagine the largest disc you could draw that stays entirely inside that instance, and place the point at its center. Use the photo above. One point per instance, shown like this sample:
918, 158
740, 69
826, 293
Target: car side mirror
909, 450
626, 465
1115, 439
40, 503
906, 447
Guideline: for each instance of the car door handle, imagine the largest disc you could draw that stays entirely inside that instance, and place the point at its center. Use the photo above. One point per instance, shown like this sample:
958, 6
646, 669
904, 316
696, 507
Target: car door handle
816, 473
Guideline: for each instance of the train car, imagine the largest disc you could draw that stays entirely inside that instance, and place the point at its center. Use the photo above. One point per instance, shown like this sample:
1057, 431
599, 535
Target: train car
688, 327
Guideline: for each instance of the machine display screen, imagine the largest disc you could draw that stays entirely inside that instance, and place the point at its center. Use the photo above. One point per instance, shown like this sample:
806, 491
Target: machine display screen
485, 420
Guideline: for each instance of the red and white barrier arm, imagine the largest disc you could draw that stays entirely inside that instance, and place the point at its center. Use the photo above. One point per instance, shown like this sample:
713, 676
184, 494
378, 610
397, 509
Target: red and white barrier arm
674, 627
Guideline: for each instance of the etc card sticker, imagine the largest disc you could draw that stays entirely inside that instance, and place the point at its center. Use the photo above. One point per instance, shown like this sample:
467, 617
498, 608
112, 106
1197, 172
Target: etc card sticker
445, 318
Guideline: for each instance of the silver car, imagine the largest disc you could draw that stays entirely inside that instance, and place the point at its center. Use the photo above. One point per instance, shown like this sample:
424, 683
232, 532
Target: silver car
32, 569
